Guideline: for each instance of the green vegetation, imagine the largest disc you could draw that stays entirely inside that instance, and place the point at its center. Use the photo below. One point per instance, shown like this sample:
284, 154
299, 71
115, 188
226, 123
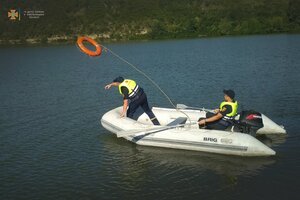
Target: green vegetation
115, 20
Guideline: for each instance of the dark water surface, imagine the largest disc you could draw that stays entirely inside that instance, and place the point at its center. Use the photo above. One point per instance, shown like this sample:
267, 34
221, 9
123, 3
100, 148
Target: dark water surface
52, 145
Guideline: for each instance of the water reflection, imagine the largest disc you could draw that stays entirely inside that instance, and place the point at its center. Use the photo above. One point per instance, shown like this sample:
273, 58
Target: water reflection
137, 157
272, 140
219, 164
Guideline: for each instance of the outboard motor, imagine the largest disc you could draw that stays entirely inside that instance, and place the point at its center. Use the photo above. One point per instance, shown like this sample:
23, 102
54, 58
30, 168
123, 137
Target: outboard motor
249, 122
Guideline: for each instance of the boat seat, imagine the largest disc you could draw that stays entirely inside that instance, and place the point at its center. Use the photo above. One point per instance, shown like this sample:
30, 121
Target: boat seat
179, 120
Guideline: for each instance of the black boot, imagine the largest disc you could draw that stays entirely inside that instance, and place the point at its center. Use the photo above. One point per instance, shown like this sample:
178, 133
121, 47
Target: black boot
155, 121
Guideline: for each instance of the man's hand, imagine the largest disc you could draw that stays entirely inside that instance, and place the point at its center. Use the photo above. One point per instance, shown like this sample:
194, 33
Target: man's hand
202, 122
107, 86
122, 115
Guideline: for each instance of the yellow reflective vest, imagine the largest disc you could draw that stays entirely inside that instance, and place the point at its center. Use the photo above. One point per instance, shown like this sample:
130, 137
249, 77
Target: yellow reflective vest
131, 86
234, 107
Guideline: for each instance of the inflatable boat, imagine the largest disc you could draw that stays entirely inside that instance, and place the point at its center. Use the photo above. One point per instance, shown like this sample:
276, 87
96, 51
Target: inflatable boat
179, 130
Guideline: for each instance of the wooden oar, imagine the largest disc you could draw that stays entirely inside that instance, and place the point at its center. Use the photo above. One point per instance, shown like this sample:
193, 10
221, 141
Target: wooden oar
182, 106
148, 131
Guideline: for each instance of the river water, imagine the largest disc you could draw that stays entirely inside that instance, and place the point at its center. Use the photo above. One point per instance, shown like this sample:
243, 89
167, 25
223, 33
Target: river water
52, 145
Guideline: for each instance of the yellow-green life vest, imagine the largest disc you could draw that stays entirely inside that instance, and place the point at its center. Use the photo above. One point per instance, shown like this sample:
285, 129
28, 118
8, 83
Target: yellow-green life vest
234, 107
130, 85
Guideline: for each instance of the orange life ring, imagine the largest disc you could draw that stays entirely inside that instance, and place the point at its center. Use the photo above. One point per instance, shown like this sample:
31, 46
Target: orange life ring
98, 50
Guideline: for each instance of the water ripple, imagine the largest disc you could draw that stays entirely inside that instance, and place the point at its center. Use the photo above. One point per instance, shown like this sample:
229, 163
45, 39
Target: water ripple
53, 147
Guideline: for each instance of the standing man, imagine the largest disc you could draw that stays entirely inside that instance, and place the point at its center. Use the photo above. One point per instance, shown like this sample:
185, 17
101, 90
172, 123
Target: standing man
133, 96
223, 116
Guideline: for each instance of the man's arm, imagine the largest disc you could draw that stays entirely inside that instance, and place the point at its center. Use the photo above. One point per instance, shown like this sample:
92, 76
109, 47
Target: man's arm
125, 105
226, 110
125, 95
214, 118
111, 84
211, 119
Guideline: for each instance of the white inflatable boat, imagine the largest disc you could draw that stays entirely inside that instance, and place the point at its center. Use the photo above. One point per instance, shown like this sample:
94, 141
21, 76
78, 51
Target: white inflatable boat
180, 130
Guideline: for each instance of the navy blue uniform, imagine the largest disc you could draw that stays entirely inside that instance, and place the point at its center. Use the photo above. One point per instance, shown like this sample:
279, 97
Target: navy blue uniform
140, 99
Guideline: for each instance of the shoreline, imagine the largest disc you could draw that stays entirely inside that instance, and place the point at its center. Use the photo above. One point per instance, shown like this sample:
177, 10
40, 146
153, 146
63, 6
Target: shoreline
67, 40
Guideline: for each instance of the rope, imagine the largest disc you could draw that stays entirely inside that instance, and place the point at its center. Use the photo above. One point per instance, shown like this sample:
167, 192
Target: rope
145, 75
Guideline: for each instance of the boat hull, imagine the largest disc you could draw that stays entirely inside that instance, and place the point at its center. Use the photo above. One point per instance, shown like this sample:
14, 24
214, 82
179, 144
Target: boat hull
188, 137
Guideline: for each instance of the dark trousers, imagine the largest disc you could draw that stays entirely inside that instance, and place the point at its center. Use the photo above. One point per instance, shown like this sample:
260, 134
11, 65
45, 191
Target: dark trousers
141, 100
216, 125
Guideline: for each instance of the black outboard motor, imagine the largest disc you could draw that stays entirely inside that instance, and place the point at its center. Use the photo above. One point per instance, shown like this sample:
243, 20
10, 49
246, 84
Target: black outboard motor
249, 122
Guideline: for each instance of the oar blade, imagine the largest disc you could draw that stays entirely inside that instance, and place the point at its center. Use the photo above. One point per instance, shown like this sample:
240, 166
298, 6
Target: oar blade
181, 106
137, 132
129, 132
